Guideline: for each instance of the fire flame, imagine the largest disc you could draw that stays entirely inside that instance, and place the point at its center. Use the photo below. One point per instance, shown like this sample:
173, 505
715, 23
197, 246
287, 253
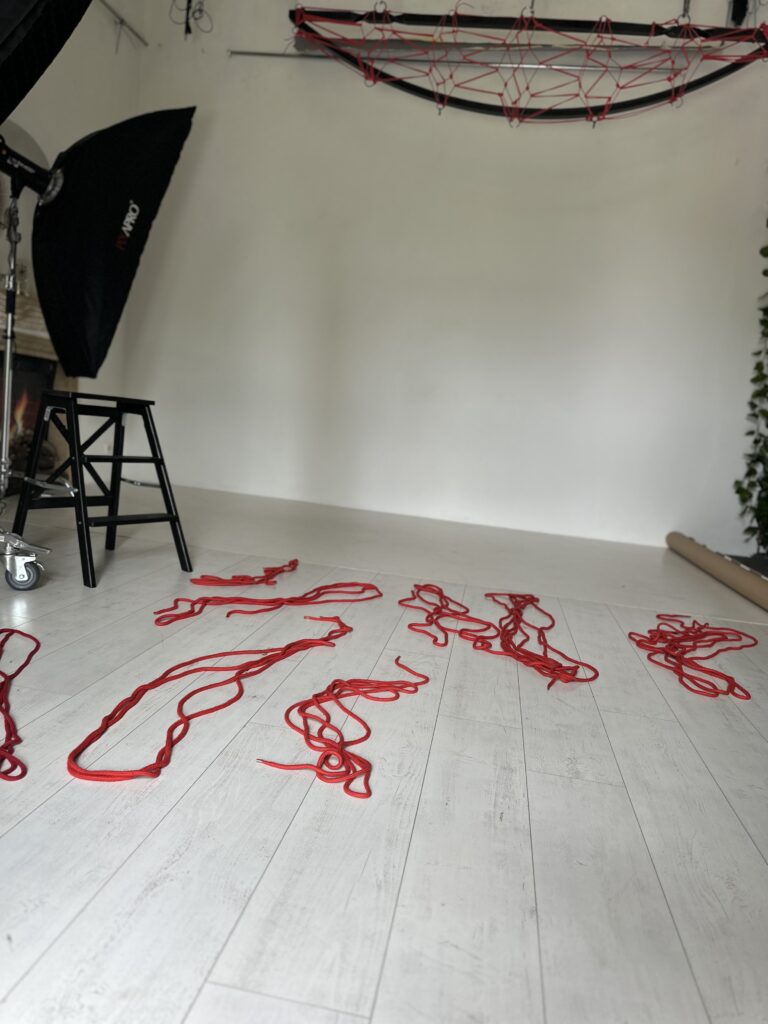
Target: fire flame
19, 410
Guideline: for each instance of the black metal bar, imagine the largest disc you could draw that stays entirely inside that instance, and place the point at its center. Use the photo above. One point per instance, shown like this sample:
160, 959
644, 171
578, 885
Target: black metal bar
80, 503
98, 410
165, 486
96, 477
117, 461
58, 424
580, 26
100, 430
122, 458
128, 520
91, 500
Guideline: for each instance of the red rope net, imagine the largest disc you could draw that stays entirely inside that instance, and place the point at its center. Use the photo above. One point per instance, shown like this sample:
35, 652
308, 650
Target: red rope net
312, 720
682, 646
11, 767
527, 68
521, 633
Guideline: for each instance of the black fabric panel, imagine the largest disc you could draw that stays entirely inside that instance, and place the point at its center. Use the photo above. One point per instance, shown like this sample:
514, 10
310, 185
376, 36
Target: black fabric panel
739, 11
87, 242
31, 34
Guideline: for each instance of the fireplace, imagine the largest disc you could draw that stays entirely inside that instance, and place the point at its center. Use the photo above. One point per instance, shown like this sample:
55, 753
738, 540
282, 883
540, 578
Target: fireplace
31, 377
35, 368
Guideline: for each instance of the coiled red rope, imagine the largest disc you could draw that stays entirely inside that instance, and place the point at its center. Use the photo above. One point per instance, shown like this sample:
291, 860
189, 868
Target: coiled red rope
312, 719
268, 577
237, 666
682, 646
12, 769
515, 636
188, 608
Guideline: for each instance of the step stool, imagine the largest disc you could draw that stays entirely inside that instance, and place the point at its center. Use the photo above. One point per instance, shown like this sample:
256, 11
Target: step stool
63, 409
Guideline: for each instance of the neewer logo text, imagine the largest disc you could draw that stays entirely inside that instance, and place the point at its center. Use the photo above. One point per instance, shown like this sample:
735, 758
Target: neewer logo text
129, 222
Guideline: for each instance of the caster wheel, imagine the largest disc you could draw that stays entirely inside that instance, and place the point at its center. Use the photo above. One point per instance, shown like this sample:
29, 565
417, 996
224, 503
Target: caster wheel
30, 580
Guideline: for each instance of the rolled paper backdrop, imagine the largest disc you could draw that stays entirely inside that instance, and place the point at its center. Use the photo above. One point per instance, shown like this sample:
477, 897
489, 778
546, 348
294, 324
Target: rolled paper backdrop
744, 581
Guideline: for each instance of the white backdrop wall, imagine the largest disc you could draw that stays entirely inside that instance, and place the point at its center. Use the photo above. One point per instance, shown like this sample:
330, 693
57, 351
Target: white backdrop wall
349, 299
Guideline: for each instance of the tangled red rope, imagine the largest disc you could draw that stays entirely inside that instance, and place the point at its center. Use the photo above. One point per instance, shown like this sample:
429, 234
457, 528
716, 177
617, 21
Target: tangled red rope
234, 670
188, 608
311, 718
513, 637
681, 647
268, 577
12, 769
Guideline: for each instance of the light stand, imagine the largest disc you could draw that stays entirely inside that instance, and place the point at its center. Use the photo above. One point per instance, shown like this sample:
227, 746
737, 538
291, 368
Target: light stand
22, 570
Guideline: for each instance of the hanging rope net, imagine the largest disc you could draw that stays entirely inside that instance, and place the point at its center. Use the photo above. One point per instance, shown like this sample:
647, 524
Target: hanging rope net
529, 68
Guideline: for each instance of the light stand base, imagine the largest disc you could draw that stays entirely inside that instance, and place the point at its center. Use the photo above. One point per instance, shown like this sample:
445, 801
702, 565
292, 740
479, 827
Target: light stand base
22, 569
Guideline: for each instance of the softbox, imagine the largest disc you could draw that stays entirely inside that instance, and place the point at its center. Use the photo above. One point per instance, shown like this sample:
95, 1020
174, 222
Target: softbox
87, 240
31, 34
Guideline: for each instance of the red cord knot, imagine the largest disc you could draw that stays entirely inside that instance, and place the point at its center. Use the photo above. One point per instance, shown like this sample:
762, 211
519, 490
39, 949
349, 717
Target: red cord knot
682, 646
311, 718
268, 577
12, 768
228, 669
513, 637
189, 607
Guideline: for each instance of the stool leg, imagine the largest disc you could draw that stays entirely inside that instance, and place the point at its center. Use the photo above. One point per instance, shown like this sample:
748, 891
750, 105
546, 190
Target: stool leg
81, 504
114, 489
165, 487
25, 496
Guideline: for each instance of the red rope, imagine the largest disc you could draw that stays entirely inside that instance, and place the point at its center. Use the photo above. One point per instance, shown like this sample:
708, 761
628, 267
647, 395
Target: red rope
311, 718
11, 768
551, 71
517, 633
233, 671
268, 575
188, 608
513, 637
681, 647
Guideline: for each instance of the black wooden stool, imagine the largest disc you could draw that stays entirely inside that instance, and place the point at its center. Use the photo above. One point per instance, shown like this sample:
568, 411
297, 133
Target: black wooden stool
113, 411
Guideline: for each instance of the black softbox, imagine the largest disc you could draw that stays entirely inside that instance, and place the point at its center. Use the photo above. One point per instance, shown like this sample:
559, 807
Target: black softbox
31, 34
87, 240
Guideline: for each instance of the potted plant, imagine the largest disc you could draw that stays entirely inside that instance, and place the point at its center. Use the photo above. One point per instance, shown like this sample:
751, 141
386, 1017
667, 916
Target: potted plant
752, 488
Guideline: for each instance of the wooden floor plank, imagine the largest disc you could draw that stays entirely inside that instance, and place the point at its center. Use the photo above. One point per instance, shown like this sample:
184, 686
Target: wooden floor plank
48, 739
331, 888
624, 685
609, 947
464, 943
481, 687
729, 745
564, 734
218, 1004
94, 650
27, 704
100, 611
113, 819
373, 624
184, 885
714, 879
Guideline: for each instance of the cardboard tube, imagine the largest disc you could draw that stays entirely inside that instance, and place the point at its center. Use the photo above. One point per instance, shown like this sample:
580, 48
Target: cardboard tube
738, 577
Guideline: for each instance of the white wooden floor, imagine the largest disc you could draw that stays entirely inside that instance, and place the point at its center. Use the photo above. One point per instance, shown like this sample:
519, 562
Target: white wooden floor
584, 854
